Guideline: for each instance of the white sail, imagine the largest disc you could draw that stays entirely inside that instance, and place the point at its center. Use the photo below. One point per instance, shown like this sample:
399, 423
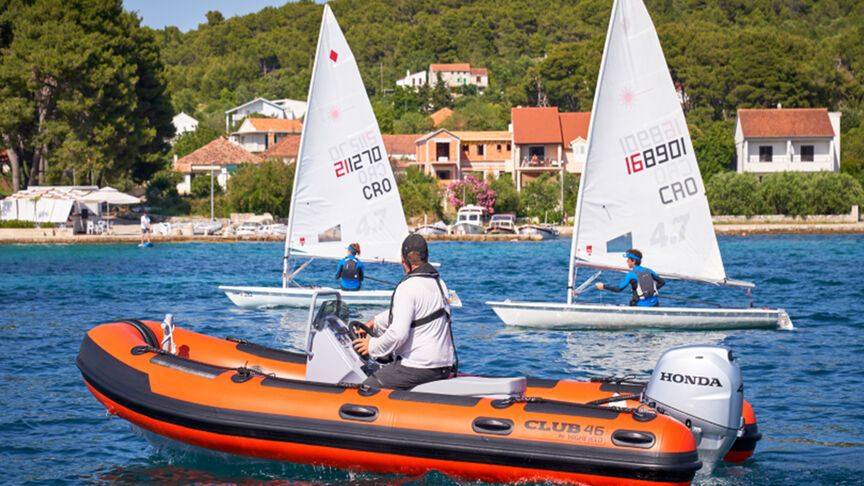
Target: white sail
344, 190
641, 187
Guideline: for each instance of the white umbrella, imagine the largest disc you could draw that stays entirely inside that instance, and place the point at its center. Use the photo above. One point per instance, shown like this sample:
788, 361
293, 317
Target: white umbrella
110, 196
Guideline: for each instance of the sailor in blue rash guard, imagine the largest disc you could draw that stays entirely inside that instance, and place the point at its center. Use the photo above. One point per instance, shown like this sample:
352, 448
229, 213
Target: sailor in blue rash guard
643, 282
350, 269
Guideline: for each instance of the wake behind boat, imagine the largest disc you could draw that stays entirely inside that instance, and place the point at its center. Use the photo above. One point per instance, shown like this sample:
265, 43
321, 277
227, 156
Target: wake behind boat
344, 190
640, 188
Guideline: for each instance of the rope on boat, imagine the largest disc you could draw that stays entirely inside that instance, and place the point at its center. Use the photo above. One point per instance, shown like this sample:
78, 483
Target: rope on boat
619, 380
379, 280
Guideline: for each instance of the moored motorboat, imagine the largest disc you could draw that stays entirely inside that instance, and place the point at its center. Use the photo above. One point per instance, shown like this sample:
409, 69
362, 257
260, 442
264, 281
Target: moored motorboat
234, 396
469, 221
545, 231
437, 228
502, 224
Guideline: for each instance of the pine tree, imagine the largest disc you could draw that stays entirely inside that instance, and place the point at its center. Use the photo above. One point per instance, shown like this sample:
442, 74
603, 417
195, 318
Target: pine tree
81, 87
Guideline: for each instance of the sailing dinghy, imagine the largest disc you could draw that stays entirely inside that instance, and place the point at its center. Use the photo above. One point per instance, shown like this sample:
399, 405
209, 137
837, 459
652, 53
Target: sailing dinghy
344, 190
640, 188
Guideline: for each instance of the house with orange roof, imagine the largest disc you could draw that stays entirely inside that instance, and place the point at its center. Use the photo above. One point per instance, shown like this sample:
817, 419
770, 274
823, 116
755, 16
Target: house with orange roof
787, 139
447, 154
545, 140
400, 147
440, 116
259, 134
219, 157
284, 150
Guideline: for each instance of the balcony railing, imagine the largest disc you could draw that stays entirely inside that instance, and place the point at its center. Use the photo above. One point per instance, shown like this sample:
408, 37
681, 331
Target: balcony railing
540, 163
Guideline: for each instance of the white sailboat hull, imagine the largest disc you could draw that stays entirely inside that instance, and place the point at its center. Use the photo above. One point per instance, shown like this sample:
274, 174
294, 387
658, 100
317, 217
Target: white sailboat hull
269, 297
614, 317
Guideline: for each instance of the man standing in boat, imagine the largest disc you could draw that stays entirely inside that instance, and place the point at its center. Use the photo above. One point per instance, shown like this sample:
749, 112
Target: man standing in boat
350, 269
643, 282
416, 330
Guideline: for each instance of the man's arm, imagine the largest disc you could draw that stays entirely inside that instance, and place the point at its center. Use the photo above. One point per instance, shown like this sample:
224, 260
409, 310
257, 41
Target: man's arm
658, 279
621, 286
339, 268
397, 332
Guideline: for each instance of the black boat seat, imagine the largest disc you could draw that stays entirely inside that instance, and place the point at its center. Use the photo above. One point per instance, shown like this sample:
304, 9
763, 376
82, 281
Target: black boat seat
476, 386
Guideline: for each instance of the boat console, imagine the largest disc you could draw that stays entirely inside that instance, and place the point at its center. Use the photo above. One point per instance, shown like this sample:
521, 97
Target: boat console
331, 358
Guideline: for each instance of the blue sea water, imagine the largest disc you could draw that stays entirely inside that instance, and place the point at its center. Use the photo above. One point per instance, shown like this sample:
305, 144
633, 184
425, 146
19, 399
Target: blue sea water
805, 384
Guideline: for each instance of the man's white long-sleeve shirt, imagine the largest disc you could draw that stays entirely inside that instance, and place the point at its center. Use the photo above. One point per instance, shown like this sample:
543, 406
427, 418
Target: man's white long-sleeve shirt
426, 346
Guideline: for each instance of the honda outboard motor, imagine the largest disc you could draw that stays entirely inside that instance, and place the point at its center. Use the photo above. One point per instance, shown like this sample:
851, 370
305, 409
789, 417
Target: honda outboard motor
700, 386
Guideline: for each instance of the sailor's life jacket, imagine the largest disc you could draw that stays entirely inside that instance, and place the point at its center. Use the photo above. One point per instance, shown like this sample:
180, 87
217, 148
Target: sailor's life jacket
644, 287
351, 273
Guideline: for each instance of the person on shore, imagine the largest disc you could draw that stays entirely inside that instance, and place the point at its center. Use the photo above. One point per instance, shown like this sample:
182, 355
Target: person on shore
145, 229
416, 331
643, 282
350, 269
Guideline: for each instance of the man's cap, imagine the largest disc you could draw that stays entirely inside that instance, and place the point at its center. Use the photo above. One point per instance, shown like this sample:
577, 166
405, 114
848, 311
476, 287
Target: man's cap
630, 255
352, 250
415, 242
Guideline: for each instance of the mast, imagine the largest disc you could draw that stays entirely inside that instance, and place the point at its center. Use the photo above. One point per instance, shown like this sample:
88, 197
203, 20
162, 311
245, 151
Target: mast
571, 274
287, 254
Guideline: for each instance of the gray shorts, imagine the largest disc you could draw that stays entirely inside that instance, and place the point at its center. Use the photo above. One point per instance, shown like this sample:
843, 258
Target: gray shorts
400, 377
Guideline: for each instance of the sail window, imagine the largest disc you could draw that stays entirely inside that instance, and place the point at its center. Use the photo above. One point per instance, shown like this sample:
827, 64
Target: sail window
620, 243
331, 234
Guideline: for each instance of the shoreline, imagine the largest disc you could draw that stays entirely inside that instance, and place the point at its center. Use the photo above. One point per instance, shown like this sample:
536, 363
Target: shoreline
49, 236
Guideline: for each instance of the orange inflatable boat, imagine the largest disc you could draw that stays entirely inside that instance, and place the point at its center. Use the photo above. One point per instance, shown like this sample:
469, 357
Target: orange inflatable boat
238, 397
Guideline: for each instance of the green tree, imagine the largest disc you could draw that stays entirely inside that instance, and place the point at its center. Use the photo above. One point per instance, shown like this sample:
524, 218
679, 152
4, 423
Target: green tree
201, 187
189, 142
162, 193
734, 193
265, 187
786, 193
714, 146
419, 193
541, 197
81, 88
852, 161
506, 195
413, 123
833, 193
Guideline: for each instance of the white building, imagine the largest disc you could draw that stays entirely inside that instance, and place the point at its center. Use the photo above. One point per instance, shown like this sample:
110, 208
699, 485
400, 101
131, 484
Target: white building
283, 108
259, 134
454, 75
183, 123
412, 80
787, 139
295, 109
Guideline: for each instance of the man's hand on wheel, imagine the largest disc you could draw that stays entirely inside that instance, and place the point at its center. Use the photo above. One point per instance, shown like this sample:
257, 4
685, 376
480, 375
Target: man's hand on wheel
362, 345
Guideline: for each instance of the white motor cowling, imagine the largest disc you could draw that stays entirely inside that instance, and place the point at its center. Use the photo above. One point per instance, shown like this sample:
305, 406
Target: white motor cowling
702, 387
